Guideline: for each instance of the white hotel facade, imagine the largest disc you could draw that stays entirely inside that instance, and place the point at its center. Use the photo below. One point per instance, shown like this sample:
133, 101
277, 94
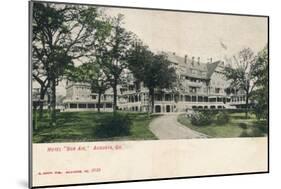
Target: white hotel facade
203, 86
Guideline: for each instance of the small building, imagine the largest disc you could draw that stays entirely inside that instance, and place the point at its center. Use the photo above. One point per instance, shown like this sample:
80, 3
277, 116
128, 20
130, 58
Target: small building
79, 97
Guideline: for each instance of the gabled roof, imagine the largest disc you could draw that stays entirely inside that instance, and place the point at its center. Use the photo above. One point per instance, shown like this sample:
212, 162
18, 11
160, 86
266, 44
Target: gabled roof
211, 68
204, 70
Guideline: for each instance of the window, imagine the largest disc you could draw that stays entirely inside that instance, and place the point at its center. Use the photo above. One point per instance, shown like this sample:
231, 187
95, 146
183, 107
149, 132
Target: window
158, 97
203, 73
193, 98
99, 105
193, 80
217, 90
82, 105
192, 89
205, 99
168, 97
108, 105
212, 100
187, 98
73, 105
94, 97
91, 105
157, 109
194, 71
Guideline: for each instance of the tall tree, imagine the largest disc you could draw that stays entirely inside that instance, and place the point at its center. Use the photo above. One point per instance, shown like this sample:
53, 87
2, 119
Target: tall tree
61, 35
154, 71
240, 71
261, 92
111, 53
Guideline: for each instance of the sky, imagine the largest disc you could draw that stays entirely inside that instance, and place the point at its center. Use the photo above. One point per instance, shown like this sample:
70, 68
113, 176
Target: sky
193, 34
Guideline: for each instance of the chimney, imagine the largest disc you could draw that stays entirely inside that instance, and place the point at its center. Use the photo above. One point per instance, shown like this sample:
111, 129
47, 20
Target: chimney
185, 59
192, 62
198, 60
211, 60
174, 53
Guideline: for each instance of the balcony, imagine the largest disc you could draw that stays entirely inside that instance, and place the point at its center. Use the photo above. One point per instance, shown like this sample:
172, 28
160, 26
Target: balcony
195, 84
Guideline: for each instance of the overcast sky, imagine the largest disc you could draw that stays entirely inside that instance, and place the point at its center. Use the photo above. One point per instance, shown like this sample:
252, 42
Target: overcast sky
194, 34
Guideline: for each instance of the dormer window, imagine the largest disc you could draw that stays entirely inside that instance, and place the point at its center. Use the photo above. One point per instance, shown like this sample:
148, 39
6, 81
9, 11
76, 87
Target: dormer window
194, 71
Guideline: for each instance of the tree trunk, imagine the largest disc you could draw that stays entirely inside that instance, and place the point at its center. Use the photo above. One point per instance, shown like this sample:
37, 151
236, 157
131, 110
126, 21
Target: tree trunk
151, 94
247, 104
53, 102
49, 106
114, 95
99, 98
41, 103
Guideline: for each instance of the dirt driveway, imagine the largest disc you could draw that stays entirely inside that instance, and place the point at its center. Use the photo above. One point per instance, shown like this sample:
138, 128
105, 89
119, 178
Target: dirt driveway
167, 127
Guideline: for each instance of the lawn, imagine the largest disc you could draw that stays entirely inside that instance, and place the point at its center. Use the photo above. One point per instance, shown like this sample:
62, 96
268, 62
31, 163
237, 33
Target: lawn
79, 127
237, 126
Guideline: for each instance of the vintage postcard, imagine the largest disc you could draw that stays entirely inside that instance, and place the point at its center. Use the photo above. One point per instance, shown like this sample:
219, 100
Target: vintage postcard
123, 94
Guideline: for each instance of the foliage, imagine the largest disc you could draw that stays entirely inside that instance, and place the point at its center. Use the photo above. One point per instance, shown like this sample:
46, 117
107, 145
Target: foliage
61, 35
253, 127
256, 132
222, 117
201, 118
115, 125
112, 51
260, 95
240, 72
154, 70
245, 134
242, 125
92, 74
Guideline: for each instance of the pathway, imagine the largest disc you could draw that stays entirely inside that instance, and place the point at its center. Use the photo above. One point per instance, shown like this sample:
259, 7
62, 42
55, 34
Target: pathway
167, 127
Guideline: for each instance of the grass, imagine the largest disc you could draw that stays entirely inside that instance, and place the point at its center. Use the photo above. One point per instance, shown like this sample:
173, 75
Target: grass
237, 126
79, 126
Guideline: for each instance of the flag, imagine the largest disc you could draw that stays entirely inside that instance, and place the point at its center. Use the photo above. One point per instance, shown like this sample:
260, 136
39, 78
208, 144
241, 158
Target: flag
223, 45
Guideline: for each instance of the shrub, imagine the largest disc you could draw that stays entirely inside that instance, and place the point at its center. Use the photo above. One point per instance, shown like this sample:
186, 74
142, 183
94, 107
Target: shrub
256, 132
222, 118
243, 125
263, 128
245, 134
115, 125
211, 112
262, 125
201, 118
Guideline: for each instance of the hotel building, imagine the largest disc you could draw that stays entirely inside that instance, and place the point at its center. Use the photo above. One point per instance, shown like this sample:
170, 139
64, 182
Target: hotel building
202, 86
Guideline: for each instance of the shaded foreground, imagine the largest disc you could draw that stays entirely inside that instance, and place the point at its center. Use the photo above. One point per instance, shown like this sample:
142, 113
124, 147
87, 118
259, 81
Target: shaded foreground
80, 127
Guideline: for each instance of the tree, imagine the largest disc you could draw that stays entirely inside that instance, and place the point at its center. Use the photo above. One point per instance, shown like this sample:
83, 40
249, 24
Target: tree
154, 71
240, 71
39, 75
61, 35
260, 94
92, 74
111, 53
